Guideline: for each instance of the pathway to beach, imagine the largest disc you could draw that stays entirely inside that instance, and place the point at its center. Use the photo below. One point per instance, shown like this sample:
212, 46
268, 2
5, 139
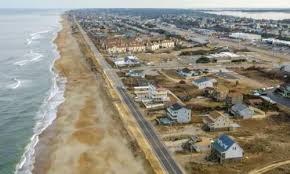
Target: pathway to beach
87, 137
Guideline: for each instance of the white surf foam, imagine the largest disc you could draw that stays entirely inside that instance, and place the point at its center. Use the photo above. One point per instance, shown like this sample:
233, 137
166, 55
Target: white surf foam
40, 32
36, 36
15, 85
30, 57
44, 118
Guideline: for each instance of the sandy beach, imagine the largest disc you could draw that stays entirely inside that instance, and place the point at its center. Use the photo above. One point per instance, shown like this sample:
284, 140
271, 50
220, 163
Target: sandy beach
87, 136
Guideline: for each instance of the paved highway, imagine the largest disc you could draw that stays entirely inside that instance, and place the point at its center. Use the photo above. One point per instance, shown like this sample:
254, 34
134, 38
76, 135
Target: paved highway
165, 158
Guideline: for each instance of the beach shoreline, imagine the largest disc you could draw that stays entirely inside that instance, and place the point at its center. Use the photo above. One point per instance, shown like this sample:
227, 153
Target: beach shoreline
87, 135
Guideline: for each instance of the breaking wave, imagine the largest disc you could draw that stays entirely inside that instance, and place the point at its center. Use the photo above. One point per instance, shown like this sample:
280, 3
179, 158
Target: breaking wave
16, 84
45, 116
30, 57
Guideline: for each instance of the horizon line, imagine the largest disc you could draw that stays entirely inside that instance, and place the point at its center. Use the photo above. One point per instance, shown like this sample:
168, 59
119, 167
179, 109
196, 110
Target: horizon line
183, 8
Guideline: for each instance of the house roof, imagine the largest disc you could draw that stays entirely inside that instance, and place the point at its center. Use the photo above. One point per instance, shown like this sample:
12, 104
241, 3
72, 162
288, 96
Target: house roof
202, 80
186, 70
234, 94
223, 143
175, 107
239, 107
215, 114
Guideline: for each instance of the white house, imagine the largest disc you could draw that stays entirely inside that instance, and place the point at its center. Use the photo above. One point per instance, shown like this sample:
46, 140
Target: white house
179, 113
151, 93
127, 61
136, 73
167, 44
224, 148
203, 82
153, 46
217, 121
185, 72
158, 94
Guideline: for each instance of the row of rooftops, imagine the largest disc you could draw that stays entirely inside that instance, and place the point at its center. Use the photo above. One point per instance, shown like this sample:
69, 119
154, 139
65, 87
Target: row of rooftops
132, 42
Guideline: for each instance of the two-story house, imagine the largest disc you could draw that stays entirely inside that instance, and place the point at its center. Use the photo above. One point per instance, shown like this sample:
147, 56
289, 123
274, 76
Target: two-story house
179, 113
224, 148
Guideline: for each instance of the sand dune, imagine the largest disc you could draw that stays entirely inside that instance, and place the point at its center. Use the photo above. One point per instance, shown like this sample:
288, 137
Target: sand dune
87, 137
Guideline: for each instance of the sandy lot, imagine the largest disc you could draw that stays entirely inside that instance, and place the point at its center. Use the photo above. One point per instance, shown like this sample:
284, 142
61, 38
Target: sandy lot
87, 136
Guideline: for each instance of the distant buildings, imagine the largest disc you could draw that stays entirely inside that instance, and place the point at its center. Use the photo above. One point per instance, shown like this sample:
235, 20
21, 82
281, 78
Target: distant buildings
134, 45
225, 57
203, 82
245, 36
179, 113
224, 149
276, 42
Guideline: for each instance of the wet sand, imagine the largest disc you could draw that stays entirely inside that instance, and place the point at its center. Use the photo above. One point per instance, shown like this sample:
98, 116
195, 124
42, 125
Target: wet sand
87, 136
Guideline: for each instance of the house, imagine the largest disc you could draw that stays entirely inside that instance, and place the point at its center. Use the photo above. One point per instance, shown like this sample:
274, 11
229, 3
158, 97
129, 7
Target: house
224, 149
203, 82
158, 94
234, 97
179, 113
218, 93
136, 73
135, 47
153, 46
185, 72
216, 121
167, 44
141, 92
151, 93
245, 36
117, 49
242, 111
127, 61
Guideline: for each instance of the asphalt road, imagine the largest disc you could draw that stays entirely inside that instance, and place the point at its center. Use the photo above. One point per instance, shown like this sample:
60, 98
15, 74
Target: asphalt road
278, 98
163, 155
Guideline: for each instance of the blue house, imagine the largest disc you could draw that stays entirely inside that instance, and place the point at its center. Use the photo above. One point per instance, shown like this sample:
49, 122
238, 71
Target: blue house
224, 148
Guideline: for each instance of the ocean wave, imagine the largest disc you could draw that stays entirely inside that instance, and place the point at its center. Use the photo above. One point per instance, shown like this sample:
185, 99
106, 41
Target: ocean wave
15, 85
44, 118
30, 57
36, 36
40, 32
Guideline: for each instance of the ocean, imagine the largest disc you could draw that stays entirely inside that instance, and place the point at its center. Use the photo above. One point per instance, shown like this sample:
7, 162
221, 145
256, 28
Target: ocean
30, 90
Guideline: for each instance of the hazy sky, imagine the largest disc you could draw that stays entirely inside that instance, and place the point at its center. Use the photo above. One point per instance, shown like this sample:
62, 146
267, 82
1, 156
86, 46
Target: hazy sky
144, 3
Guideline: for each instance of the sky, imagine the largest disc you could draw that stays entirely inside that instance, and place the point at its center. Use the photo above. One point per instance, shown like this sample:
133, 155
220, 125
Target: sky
144, 3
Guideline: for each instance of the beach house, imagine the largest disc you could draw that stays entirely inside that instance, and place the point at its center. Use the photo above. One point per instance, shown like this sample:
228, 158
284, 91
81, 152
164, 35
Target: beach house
242, 111
217, 121
224, 148
179, 113
203, 82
